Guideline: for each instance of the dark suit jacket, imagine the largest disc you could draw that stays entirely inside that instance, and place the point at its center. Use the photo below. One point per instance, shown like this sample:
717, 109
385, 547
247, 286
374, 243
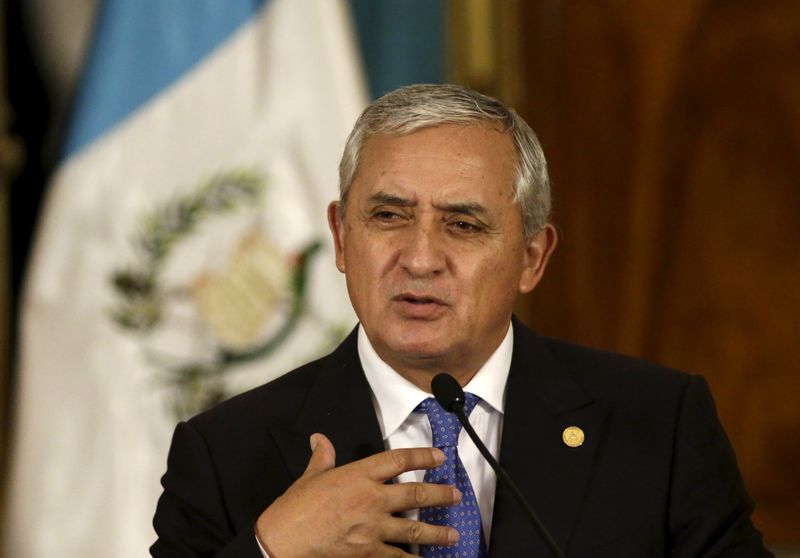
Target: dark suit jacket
655, 476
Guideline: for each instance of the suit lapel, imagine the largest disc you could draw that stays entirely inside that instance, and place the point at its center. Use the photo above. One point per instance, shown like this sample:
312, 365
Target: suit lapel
339, 405
542, 400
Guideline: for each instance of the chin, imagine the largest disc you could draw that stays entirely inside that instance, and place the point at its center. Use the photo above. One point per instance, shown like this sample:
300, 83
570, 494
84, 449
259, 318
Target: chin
424, 340
420, 348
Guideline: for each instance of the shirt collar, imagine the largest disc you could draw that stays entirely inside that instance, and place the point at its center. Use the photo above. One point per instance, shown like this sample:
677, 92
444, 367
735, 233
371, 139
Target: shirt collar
395, 397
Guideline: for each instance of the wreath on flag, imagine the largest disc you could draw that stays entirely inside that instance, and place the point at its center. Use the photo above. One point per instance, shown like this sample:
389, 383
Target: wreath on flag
258, 278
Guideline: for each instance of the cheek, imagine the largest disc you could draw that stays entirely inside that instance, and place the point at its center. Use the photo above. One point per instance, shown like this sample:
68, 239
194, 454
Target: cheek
500, 279
502, 265
365, 261
377, 256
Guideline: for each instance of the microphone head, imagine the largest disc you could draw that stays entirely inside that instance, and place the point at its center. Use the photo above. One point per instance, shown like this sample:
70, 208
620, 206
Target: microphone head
447, 391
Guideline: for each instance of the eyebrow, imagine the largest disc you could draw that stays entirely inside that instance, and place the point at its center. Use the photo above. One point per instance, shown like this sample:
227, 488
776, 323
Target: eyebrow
467, 208
474, 209
471, 209
390, 199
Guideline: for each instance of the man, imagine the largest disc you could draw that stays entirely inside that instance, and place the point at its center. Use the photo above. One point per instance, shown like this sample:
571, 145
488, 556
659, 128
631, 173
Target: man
442, 221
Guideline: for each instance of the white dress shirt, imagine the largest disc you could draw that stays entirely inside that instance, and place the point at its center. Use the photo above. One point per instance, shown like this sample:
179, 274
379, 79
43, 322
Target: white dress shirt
395, 399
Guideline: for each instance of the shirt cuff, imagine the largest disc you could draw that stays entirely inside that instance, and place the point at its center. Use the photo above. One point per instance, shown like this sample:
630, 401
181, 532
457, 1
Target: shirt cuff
261, 548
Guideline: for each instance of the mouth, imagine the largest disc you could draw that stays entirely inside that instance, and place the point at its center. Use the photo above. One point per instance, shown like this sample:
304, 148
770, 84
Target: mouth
418, 299
418, 306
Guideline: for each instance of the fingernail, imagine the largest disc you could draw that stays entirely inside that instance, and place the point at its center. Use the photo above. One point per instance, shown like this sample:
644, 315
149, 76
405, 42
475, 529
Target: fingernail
452, 536
438, 456
313, 442
456, 495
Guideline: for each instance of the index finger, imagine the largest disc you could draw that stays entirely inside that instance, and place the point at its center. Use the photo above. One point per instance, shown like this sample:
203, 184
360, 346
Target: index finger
388, 464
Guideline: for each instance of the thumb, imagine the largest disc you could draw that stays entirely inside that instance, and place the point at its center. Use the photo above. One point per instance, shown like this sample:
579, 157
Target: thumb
323, 455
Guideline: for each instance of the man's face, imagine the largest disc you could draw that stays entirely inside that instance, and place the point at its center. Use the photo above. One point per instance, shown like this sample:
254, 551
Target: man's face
432, 247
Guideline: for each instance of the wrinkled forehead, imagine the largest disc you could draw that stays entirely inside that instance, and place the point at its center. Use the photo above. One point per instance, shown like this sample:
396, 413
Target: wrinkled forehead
443, 163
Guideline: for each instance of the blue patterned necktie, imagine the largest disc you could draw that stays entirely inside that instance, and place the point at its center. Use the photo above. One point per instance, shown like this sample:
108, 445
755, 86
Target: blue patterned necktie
465, 517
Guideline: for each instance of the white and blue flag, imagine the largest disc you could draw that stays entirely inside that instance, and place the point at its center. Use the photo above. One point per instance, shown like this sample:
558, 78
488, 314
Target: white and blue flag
182, 255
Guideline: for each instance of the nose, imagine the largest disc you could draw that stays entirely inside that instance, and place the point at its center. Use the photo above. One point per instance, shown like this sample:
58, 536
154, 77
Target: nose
422, 253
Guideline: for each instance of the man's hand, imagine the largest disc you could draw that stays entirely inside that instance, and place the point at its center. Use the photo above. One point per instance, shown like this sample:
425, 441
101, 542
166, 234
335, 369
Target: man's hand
347, 511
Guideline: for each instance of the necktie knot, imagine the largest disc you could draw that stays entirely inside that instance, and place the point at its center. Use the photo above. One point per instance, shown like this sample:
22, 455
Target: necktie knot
445, 427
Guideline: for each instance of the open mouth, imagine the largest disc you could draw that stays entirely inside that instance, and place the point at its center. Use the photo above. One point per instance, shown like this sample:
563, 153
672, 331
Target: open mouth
417, 306
420, 300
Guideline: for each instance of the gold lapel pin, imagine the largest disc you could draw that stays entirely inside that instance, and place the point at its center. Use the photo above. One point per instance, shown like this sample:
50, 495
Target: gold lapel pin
573, 436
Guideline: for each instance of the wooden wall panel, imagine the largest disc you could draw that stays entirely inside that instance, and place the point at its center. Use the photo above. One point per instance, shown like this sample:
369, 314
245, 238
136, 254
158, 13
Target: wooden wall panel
673, 134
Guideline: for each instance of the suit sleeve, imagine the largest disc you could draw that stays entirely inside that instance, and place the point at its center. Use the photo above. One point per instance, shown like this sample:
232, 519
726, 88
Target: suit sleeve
191, 520
709, 511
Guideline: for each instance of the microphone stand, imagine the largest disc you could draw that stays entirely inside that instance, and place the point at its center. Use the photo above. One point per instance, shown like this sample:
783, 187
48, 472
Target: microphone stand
450, 396
458, 408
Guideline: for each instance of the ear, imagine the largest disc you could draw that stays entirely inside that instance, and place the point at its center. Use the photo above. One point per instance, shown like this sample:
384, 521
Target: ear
537, 254
337, 227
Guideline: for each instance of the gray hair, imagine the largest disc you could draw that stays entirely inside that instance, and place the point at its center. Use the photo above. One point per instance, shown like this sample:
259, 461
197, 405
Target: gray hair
413, 107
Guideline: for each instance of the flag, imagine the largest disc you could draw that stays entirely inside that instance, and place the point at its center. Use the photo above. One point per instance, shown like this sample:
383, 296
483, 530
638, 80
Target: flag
182, 254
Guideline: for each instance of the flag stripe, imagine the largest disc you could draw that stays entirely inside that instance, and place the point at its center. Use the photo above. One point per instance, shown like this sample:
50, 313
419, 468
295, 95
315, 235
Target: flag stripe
129, 63
401, 42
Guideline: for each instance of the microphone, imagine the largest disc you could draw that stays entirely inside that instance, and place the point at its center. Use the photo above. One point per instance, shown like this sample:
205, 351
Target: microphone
450, 396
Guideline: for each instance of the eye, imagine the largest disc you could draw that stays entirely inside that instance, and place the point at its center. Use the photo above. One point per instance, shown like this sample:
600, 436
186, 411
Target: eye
387, 218
465, 226
385, 215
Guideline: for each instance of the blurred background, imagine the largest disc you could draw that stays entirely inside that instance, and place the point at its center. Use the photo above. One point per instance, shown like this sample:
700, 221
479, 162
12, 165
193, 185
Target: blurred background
672, 130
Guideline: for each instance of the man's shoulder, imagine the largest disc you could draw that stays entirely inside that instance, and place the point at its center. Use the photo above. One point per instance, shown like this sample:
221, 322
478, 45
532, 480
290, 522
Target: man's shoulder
632, 390
606, 373
600, 361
